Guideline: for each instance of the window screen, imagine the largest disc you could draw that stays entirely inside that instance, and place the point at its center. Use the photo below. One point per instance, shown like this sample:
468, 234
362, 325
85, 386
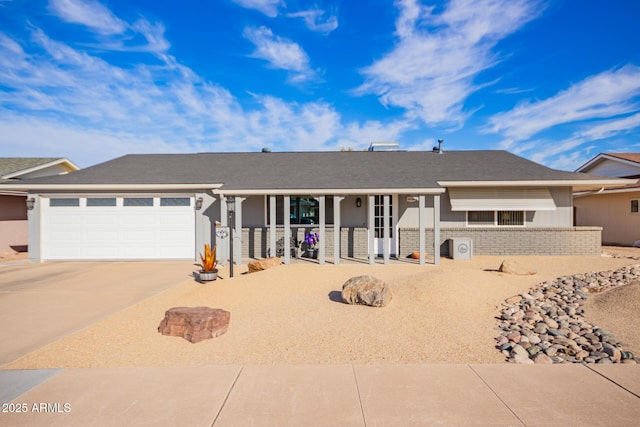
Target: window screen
480, 217
510, 218
634, 206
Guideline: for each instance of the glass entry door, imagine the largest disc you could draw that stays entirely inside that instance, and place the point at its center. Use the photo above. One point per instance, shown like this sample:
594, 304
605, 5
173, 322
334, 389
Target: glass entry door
378, 218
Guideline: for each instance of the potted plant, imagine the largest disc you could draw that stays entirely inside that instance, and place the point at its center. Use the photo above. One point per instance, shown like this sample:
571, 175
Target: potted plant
311, 241
209, 271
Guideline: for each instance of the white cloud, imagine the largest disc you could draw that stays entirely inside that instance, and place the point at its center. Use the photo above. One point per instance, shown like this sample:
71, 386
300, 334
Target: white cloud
597, 131
88, 13
359, 136
602, 96
430, 72
279, 52
62, 101
58, 99
316, 20
267, 7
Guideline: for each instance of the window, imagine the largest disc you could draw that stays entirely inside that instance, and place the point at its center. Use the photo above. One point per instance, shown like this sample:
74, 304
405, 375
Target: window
101, 201
304, 210
634, 206
495, 218
138, 201
175, 201
510, 218
64, 202
378, 217
480, 217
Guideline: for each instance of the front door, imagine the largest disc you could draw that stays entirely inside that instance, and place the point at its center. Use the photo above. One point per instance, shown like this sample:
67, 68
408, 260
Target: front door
378, 218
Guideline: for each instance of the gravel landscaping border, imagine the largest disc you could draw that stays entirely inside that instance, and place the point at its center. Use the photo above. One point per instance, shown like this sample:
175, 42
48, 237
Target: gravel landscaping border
547, 324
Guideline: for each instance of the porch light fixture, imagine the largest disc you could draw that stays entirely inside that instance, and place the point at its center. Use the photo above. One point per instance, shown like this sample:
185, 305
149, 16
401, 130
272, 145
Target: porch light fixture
31, 203
358, 202
231, 212
199, 203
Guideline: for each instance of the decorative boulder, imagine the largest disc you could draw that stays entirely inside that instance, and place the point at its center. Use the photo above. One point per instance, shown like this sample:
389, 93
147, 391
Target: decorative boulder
416, 255
511, 266
263, 264
366, 290
195, 324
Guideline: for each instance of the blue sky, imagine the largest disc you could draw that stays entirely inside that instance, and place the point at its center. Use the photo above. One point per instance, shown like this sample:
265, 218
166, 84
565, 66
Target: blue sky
555, 81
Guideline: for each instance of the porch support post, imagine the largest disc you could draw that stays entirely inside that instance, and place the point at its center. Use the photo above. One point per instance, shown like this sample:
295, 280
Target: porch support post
223, 254
421, 227
272, 225
287, 229
336, 229
34, 226
237, 233
322, 230
436, 229
387, 237
372, 230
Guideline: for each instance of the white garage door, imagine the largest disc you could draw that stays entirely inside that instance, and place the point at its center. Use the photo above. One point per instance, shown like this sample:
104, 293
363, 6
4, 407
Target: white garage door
118, 228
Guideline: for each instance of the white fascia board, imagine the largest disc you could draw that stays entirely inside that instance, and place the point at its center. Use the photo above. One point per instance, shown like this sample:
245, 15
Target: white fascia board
13, 193
19, 173
601, 157
107, 187
603, 191
613, 182
333, 191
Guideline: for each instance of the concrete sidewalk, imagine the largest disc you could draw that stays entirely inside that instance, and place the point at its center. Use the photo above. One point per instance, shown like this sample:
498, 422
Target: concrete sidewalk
325, 395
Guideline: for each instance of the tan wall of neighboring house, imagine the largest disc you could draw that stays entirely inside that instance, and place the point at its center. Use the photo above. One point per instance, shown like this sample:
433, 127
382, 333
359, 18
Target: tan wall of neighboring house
13, 223
613, 213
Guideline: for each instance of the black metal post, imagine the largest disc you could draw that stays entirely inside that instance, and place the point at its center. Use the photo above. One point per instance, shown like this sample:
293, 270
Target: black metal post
231, 209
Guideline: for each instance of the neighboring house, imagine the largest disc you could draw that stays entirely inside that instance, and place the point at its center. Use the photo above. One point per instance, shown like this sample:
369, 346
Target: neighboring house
362, 204
615, 209
13, 208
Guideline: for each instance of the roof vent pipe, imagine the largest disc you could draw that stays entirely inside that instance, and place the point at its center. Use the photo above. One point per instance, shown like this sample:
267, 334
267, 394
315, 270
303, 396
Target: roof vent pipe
438, 149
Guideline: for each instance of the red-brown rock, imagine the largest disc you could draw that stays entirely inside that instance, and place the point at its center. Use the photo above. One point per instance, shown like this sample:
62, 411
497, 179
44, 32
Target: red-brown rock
195, 323
263, 264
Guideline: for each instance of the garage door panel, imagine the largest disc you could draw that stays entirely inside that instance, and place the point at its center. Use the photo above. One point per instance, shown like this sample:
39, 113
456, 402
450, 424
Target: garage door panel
118, 232
133, 236
63, 218
141, 219
101, 219
172, 218
99, 236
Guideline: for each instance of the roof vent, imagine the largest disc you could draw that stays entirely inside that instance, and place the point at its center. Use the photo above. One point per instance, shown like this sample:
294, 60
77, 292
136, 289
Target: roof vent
266, 150
384, 146
438, 149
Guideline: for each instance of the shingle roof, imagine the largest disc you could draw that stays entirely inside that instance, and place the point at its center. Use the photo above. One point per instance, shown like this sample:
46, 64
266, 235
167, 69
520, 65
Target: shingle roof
9, 165
315, 170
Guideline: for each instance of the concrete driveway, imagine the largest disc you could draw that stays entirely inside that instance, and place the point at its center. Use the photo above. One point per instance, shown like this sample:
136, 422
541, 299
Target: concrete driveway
40, 303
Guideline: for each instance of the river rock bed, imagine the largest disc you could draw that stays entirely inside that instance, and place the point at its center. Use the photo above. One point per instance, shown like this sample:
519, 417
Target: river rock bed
547, 324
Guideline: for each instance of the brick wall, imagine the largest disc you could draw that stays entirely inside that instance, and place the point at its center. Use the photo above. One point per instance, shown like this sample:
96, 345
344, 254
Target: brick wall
486, 241
511, 241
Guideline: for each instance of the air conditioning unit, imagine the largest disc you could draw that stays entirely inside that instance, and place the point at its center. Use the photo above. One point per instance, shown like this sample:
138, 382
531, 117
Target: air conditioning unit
461, 248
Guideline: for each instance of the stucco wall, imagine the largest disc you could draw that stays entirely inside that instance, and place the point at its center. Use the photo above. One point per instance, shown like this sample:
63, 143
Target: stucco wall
13, 223
612, 212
